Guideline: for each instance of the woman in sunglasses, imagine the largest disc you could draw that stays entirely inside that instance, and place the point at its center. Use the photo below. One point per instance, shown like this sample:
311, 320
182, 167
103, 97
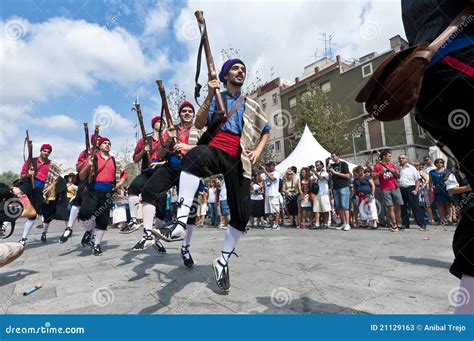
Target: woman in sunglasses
438, 177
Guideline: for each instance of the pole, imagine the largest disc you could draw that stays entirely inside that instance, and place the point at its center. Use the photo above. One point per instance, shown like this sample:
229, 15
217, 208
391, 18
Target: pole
354, 149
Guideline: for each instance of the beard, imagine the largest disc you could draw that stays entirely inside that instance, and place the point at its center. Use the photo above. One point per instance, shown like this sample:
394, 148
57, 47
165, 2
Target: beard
235, 82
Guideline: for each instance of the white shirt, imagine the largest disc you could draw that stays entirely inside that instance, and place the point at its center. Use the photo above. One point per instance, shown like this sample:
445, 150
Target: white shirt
324, 183
272, 187
223, 192
212, 195
256, 189
428, 169
451, 182
408, 176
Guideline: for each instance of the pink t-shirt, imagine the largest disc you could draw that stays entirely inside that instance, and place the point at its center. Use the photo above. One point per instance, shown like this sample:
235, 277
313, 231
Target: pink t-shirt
387, 180
154, 148
107, 172
42, 169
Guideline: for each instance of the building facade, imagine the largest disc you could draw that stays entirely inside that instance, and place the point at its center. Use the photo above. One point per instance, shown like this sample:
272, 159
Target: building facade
342, 82
268, 96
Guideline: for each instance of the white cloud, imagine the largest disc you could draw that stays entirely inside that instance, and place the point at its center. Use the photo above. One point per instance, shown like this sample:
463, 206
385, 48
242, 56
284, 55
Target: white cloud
110, 121
56, 122
156, 22
63, 55
282, 35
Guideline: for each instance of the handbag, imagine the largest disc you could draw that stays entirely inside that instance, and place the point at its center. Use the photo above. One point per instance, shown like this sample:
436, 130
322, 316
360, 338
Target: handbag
393, 89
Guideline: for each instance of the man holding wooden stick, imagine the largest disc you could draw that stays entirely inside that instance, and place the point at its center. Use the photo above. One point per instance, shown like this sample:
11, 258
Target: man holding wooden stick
105, 176
44, 172
146, 146
232, 149
177, 141
76, 202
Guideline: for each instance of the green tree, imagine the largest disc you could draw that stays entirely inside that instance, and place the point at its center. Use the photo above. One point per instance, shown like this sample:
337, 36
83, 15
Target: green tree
327, 121
8, 177
175, 97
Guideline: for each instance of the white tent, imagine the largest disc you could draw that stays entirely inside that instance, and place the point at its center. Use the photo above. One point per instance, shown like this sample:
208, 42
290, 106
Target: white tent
306, 153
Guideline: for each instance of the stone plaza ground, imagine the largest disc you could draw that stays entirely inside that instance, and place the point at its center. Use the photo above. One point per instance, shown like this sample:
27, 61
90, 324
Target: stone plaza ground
288, 271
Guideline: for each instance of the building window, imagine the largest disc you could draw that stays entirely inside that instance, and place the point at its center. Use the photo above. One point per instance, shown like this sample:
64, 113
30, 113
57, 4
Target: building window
275, 120
292, 102
366, 70
275, 99
277, 146
264, 104
375, 133
326, 86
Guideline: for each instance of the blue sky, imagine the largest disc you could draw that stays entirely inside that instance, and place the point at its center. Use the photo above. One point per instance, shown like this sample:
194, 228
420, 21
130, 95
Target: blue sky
66, 62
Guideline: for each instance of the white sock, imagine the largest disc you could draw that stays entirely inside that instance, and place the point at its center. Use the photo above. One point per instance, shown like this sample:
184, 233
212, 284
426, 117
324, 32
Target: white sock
99, 234
148, 214
133, 201
73, 215
28, 226
231, 237
188, 185
466, 295
187, 237
45, 227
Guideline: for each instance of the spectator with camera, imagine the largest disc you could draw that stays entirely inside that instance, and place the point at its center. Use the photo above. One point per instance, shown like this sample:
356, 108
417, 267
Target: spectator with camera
438, 177
340, 177
388, 175
290, 194
320, 191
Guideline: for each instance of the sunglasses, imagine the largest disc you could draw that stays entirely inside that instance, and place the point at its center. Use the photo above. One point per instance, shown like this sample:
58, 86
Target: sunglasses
46, 151
440, 162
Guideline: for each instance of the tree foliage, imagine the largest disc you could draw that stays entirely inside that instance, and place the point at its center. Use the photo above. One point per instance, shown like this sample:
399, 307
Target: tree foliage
327, 121
8, 177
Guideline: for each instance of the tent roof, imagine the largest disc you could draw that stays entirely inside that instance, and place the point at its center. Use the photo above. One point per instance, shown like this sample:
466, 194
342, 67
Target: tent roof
306, 153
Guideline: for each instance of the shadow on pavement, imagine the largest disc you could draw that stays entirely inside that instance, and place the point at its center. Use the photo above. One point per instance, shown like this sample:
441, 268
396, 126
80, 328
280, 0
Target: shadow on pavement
177, 279
303, 305
422, 261
15, 275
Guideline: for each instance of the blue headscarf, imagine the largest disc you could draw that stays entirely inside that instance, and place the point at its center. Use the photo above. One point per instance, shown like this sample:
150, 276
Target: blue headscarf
226, 67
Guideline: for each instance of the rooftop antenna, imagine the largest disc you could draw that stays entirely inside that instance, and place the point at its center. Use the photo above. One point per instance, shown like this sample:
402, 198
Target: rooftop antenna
272, 72
327, 44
